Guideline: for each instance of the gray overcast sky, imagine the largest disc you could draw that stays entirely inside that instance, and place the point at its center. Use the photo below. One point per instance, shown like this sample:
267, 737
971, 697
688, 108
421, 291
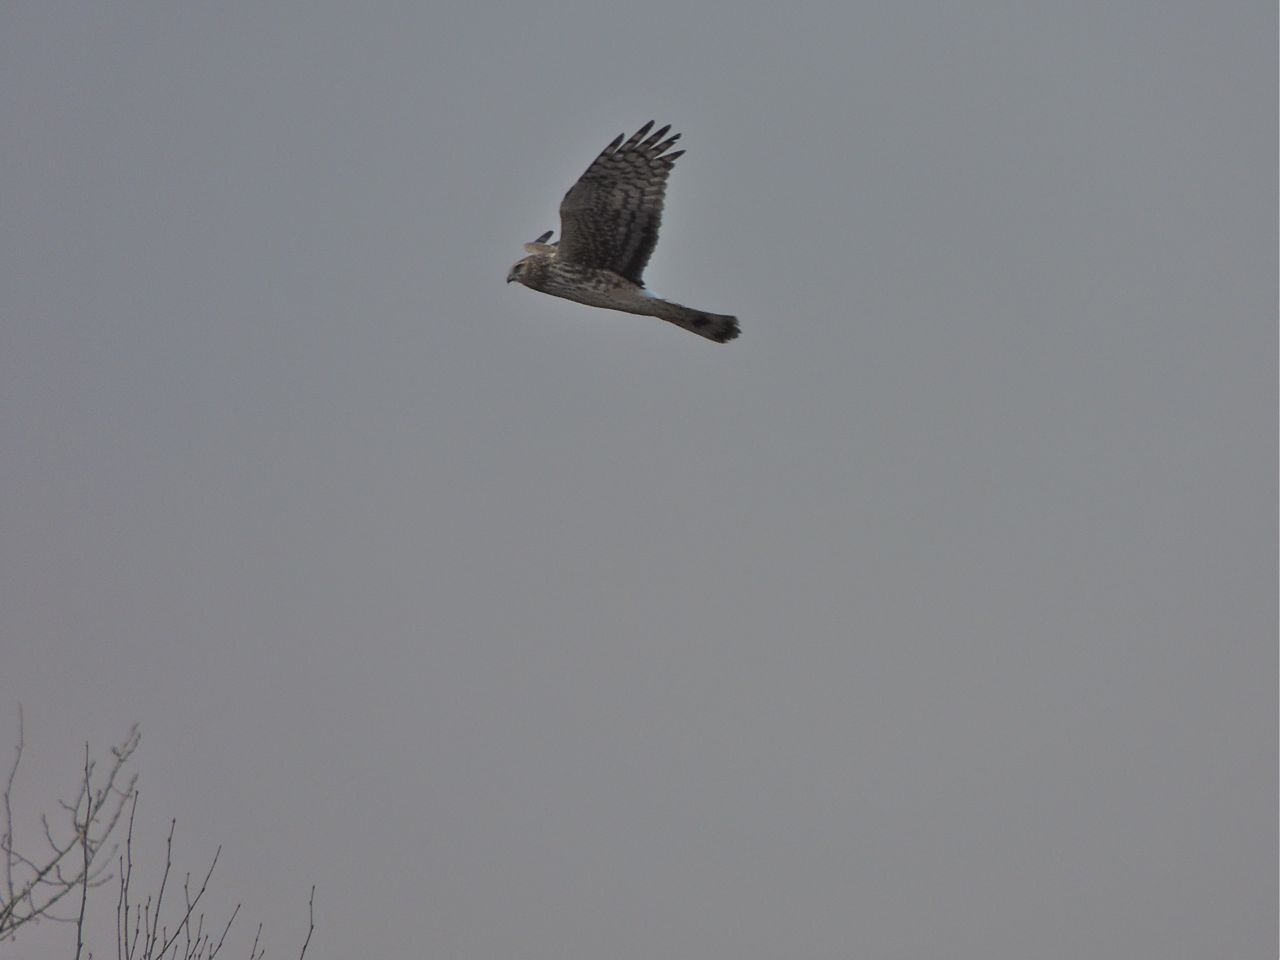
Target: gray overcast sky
934, 617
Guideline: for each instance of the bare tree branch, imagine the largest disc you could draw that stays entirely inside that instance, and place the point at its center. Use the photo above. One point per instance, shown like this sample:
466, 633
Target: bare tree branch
311, 921
76, 853
84, 847
7, 839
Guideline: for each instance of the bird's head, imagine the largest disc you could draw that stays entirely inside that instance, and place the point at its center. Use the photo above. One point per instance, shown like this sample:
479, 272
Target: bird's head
530, 271
518, 270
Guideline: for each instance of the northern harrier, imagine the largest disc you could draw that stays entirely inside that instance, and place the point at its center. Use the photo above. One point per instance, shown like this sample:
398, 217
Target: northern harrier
608, 228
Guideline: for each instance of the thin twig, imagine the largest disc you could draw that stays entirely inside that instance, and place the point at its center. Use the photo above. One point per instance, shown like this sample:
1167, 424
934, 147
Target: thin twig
199, 894
7, 909
230, 920
311, 921
164, 879
126, 875
84, 847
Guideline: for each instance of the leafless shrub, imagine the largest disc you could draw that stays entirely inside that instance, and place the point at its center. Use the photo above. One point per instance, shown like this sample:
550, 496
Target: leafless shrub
75, 856
142, 935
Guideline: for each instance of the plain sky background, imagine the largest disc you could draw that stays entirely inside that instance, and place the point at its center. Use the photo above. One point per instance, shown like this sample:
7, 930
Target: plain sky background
934, 617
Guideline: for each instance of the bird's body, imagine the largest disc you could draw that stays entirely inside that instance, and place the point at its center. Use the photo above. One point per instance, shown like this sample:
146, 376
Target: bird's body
548, 273
609, 226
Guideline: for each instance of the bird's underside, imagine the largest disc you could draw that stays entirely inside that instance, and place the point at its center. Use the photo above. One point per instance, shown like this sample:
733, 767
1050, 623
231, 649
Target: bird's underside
609, 225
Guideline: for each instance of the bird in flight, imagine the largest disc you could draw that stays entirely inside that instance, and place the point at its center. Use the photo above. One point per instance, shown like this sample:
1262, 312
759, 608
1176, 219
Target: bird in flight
608, 228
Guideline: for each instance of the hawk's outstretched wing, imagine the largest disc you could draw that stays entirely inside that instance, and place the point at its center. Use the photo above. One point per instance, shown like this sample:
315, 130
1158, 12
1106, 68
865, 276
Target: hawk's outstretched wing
609, 219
